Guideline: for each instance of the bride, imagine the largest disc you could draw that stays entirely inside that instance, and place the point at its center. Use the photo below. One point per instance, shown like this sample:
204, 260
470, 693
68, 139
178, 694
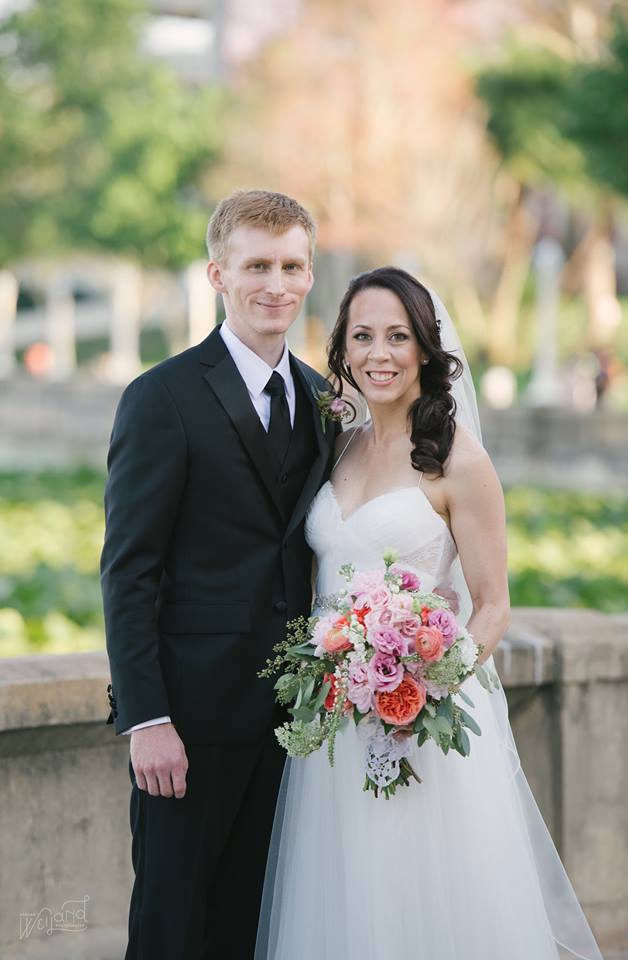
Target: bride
461, 866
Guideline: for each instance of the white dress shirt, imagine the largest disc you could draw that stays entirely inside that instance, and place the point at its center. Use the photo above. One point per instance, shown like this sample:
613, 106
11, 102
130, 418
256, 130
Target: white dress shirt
256, 373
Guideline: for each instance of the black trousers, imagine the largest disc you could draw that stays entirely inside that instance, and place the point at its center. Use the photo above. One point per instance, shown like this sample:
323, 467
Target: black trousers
199, 861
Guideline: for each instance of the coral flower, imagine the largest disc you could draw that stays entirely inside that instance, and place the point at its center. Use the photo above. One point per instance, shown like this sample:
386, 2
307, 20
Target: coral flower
402, 705
429, 643
335, 640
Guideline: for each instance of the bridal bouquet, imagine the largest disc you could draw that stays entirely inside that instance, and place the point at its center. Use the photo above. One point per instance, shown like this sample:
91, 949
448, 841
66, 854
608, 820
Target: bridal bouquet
390, 656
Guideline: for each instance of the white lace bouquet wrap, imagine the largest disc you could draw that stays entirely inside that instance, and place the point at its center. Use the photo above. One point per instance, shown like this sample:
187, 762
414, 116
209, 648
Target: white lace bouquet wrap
391, 656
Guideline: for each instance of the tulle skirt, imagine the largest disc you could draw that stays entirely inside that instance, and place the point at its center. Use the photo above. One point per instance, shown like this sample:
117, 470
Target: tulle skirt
459, 867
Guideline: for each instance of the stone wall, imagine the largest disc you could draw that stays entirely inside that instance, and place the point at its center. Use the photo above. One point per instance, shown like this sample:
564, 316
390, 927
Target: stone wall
64, 789
60, 424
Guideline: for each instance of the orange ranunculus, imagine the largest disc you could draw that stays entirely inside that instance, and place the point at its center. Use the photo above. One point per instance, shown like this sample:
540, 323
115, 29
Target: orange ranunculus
335, 640
402, 705
429, 643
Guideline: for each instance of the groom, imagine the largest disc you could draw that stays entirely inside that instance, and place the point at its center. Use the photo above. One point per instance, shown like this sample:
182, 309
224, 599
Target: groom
215, 456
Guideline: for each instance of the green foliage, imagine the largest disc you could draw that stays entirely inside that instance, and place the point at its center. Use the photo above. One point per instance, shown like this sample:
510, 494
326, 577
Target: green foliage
51, 528
555, 119
300, 739
565, 549
596, 116
568, 549
99, 147
525, 95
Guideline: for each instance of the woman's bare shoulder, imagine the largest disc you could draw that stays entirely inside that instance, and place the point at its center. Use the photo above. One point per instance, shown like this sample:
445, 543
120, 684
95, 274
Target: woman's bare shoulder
468, 460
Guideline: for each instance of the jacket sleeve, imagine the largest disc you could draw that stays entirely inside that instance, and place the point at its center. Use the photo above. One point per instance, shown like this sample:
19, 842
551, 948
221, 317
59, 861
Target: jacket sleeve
147, 464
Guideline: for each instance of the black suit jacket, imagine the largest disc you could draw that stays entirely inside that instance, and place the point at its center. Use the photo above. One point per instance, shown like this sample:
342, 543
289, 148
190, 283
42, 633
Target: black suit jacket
201, 567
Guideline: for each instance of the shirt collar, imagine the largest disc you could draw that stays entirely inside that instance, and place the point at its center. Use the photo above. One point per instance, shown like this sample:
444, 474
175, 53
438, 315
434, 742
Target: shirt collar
254, 371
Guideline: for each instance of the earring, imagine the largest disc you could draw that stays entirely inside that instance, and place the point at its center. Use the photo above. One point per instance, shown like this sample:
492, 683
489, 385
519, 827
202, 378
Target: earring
424, 362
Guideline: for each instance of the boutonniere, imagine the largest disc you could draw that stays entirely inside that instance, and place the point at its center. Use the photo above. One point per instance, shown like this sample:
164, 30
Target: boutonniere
331, 407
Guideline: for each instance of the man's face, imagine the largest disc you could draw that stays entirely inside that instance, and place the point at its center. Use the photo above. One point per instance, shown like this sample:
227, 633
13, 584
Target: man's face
264, 280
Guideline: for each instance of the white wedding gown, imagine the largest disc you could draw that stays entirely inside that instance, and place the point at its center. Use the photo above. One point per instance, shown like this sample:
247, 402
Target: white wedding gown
460, 867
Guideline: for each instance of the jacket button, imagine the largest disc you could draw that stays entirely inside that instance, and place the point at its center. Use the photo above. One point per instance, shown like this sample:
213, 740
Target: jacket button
284, 478
280, 607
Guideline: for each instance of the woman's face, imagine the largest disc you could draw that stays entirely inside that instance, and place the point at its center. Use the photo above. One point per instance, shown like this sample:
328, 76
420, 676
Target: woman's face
382, 349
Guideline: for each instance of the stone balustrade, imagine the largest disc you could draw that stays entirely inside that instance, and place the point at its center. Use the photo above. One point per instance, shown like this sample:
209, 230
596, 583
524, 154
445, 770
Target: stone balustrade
64, 834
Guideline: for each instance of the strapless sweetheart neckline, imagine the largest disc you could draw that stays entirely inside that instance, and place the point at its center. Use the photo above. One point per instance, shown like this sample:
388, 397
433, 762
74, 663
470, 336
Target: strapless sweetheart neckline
382, 496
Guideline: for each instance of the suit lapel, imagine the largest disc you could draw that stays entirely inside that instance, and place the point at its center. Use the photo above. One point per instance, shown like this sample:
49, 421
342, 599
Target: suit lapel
223, 377
324, 441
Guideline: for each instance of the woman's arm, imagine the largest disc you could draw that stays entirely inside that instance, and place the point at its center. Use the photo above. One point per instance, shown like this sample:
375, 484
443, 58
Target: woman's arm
478, 524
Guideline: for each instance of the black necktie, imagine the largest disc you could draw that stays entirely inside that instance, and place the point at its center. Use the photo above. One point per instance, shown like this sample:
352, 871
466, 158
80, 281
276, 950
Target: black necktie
279, 428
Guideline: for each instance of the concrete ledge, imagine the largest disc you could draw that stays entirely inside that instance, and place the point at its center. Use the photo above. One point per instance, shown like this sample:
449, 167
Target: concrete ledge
53, 689
578, 646
65, 786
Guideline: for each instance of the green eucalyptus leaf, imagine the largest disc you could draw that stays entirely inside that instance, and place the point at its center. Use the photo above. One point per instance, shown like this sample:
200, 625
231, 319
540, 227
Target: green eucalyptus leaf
302, 651
445, 708
322, 694
308, 689
305, 714
484, 677
418, 722
469, 722
422, 737
443, 725
430, 726
467, 699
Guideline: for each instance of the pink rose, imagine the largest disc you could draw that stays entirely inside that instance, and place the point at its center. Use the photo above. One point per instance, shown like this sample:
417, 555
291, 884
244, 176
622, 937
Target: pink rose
382, 617
361, 695
369, 589
358, 672
384, 672
444, 621
409, 580
429, 644
401, 605
338, 406
408, 627
388, 640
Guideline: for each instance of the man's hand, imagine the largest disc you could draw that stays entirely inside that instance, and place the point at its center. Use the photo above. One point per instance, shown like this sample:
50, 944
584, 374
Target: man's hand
159, 761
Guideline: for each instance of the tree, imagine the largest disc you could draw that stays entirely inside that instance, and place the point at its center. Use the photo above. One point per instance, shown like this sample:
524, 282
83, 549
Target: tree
100, 148
366, 112
543, 97
596, 115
